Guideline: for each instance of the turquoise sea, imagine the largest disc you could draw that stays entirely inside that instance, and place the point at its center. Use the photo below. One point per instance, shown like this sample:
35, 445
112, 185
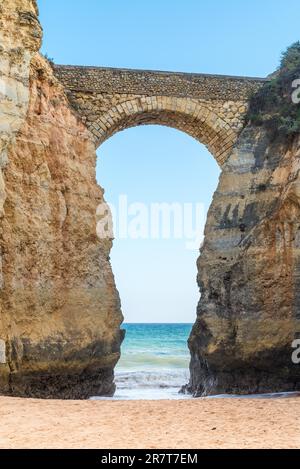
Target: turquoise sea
154, 361
154, 364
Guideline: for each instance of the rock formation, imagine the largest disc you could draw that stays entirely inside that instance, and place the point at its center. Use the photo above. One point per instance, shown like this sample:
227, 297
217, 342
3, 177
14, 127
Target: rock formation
249, 312
60, 310
249, 271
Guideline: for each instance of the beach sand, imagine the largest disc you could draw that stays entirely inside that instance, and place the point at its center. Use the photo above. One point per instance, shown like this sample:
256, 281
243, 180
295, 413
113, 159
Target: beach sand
194, 423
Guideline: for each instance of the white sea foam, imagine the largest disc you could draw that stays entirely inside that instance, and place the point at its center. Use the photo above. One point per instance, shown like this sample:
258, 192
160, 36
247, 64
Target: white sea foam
125, 379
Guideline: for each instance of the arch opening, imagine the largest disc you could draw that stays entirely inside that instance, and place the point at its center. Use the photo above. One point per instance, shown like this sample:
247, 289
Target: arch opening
199, 120
155, 275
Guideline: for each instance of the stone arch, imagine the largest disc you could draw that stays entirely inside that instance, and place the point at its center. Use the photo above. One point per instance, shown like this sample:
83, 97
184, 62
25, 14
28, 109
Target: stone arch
190, 116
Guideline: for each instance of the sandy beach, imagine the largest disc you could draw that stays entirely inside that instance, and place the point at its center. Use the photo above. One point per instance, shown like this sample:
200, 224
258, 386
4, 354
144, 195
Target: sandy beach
201, 423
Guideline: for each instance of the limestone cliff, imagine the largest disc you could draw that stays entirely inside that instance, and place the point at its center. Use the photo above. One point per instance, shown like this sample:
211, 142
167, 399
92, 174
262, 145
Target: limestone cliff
249, 272
20, 37
60, 308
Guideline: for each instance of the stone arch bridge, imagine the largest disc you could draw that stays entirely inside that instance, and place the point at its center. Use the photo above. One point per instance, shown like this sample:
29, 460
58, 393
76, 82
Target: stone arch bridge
210, 108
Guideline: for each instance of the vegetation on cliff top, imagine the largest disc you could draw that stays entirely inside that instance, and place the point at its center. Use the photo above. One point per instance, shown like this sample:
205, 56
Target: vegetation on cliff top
50, 60
274, 106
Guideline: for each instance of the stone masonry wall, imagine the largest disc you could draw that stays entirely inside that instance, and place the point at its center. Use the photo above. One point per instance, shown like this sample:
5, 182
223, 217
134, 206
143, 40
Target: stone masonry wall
209, 108
155, 83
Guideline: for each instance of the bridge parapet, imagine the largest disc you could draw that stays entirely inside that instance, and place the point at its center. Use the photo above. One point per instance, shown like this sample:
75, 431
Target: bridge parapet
211, 108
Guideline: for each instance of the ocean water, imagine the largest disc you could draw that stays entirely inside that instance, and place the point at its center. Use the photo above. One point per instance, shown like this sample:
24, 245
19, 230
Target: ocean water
154, 364
154, 361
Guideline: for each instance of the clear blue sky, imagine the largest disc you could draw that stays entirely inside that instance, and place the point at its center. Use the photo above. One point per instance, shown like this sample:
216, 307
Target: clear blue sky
157, 278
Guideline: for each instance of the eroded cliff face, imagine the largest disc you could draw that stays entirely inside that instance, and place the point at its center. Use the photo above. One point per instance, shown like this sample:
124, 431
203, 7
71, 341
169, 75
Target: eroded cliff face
60, 308
20, 38
249, 273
